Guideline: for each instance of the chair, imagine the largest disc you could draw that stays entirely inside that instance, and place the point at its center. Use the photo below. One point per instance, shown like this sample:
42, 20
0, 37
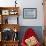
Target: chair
28, 34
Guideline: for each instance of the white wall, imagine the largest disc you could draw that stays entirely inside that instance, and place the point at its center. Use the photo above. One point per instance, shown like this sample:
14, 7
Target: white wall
27, 4
32, 4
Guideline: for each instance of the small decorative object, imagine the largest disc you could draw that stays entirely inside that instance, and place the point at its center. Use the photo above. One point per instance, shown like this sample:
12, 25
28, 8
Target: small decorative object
16, 35
0, 36
0, 19
7, 34
6, 21
0, 12
15, 3
15, 30
30, 13
5, 12
13, 12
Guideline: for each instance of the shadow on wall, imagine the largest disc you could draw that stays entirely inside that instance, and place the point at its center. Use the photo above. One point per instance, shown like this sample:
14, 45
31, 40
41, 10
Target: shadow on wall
37, 29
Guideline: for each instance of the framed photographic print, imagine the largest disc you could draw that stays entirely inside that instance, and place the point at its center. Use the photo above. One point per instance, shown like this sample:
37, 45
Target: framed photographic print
29, 13
5, 12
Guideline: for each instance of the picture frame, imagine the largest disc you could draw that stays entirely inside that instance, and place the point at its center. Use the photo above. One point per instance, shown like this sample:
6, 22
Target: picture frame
5, 12
29, 13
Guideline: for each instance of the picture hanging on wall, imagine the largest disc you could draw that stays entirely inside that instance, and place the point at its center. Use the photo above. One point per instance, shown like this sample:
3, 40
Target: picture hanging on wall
29, 13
